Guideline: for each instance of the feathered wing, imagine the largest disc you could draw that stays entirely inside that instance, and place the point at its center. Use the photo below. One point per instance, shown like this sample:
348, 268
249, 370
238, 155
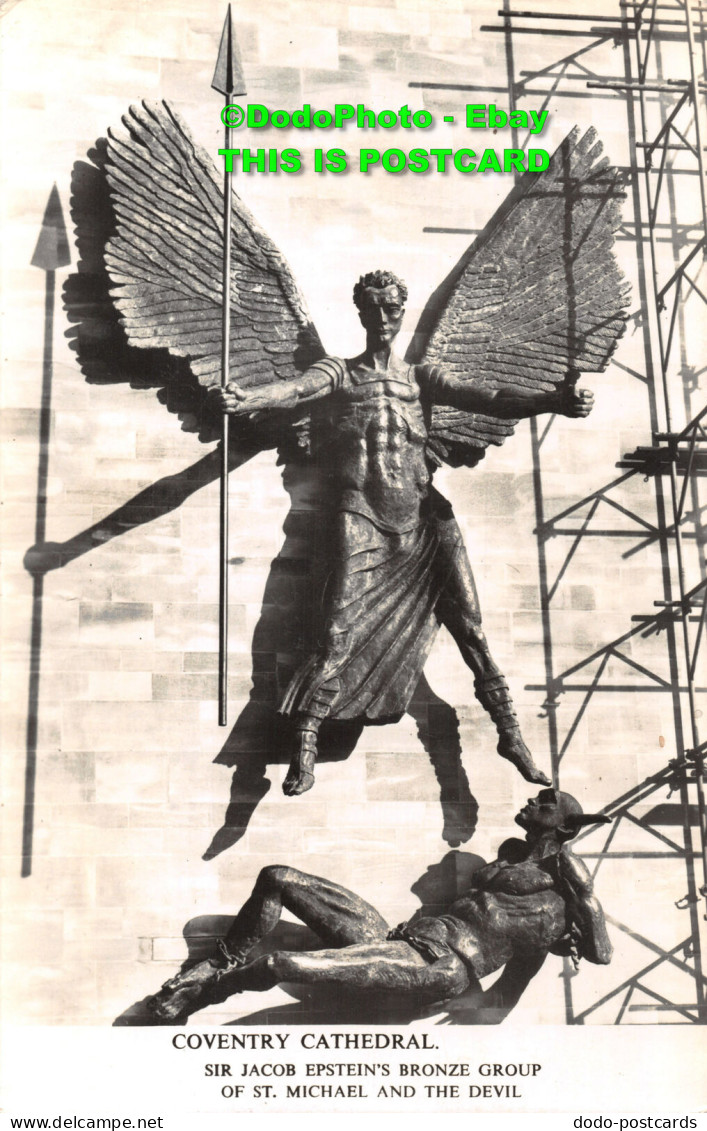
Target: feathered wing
536, 300
165, 261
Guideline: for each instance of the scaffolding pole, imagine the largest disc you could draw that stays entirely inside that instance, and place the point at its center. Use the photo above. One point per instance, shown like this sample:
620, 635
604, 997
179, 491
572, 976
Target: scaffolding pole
661, 153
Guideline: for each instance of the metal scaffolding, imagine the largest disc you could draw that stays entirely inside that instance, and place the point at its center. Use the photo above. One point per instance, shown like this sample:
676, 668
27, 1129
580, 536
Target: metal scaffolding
660, 44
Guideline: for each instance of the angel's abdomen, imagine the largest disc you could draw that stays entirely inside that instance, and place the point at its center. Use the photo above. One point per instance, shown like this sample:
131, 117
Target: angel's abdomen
379, 455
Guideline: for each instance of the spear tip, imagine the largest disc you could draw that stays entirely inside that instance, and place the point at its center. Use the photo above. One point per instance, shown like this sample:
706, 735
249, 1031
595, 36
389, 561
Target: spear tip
228, 77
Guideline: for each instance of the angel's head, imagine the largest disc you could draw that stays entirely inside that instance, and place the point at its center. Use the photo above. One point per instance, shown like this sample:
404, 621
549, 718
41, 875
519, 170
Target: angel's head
380, 297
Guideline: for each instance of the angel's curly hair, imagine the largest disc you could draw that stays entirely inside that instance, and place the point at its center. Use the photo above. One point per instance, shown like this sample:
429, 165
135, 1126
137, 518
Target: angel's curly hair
378, 279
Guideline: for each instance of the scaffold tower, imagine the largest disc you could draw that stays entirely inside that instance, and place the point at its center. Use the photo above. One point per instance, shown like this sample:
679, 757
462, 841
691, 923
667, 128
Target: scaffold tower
653, 503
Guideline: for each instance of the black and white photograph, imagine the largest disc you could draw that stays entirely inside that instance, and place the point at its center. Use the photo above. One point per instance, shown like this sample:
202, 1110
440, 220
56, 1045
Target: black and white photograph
354, 594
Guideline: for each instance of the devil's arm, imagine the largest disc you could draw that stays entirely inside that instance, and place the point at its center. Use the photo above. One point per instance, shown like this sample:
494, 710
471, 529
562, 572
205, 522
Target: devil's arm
506, 403
575, 884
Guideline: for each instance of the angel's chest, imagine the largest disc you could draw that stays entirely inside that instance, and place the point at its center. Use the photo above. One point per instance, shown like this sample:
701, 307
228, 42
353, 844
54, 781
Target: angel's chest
368, 386
377, 407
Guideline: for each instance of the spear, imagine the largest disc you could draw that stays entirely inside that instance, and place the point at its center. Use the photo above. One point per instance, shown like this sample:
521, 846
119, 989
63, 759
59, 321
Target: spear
228, 80
51, 253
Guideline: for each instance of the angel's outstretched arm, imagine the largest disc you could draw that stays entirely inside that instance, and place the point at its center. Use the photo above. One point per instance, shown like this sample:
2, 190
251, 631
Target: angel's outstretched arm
236, 401
509, 402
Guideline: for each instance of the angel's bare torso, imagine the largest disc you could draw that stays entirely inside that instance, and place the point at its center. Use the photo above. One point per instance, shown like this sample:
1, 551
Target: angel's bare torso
372, 437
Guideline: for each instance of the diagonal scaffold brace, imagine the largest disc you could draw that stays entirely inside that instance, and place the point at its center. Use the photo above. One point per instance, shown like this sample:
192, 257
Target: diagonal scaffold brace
228, 80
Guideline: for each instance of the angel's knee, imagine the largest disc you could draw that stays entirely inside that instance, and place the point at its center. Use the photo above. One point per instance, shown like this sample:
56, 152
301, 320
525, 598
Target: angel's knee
463, 619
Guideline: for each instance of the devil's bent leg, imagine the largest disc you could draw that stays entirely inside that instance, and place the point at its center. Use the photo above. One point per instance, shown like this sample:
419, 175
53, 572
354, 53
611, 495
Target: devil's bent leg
338, 916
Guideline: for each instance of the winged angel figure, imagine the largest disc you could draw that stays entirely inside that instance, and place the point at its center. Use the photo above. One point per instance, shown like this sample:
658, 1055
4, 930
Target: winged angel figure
535, 301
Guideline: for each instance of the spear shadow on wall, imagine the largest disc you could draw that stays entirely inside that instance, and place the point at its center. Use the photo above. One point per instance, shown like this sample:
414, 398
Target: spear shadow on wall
51, 253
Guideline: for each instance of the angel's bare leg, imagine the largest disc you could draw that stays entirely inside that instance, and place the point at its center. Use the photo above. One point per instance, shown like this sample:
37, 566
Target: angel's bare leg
458, 609
338, 916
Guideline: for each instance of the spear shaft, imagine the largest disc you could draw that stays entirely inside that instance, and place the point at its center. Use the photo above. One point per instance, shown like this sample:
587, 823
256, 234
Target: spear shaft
228, 80
225, 358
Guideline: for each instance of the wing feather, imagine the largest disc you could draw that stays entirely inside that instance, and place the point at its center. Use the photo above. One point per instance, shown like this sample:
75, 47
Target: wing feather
165, 260
538, 298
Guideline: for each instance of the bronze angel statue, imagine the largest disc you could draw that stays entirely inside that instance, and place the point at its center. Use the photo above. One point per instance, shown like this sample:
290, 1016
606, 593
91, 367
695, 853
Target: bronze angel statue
535, 301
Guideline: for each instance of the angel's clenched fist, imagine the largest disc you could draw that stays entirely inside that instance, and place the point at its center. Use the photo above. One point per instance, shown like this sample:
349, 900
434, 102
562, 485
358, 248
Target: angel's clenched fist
577, 402
231, 399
